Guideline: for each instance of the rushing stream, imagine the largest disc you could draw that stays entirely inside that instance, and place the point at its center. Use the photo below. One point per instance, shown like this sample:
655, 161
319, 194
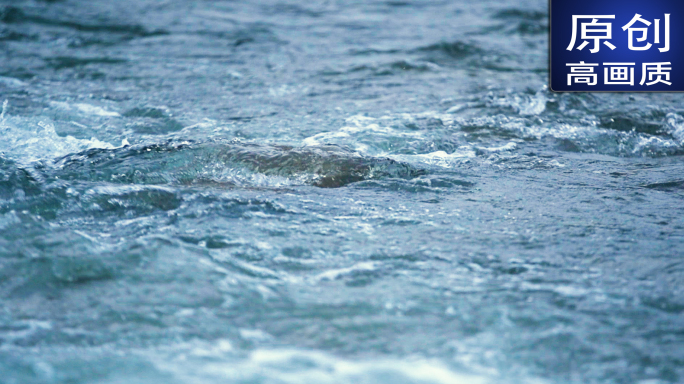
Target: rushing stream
328, 192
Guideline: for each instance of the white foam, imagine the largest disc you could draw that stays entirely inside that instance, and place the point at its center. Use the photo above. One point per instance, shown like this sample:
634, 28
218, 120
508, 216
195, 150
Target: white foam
27, 140
647, 144
297, 366
531, 106
378, 136
504, 148
86, 109
675, 125
336, 273
12, 82
4, 109
439, 158
8, 219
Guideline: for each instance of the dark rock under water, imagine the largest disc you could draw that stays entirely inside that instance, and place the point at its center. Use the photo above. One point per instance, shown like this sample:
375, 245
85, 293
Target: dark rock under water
326, 166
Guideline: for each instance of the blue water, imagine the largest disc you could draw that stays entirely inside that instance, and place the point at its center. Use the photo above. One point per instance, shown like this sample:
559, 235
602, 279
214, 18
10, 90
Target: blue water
332, 191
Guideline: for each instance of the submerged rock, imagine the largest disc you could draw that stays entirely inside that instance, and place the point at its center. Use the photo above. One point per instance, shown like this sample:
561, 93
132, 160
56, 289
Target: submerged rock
326, 166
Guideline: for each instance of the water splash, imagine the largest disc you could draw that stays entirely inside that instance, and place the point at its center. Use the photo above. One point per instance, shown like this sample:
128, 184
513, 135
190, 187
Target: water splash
4, 109
28, 139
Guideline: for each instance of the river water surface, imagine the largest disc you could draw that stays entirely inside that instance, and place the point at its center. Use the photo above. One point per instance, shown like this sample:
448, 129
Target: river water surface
330, 191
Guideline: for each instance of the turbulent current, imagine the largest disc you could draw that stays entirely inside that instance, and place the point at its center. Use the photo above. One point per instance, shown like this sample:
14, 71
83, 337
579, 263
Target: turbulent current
331, 191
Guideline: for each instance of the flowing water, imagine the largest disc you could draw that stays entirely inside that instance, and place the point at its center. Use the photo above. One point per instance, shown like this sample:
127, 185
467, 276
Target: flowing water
331, 191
